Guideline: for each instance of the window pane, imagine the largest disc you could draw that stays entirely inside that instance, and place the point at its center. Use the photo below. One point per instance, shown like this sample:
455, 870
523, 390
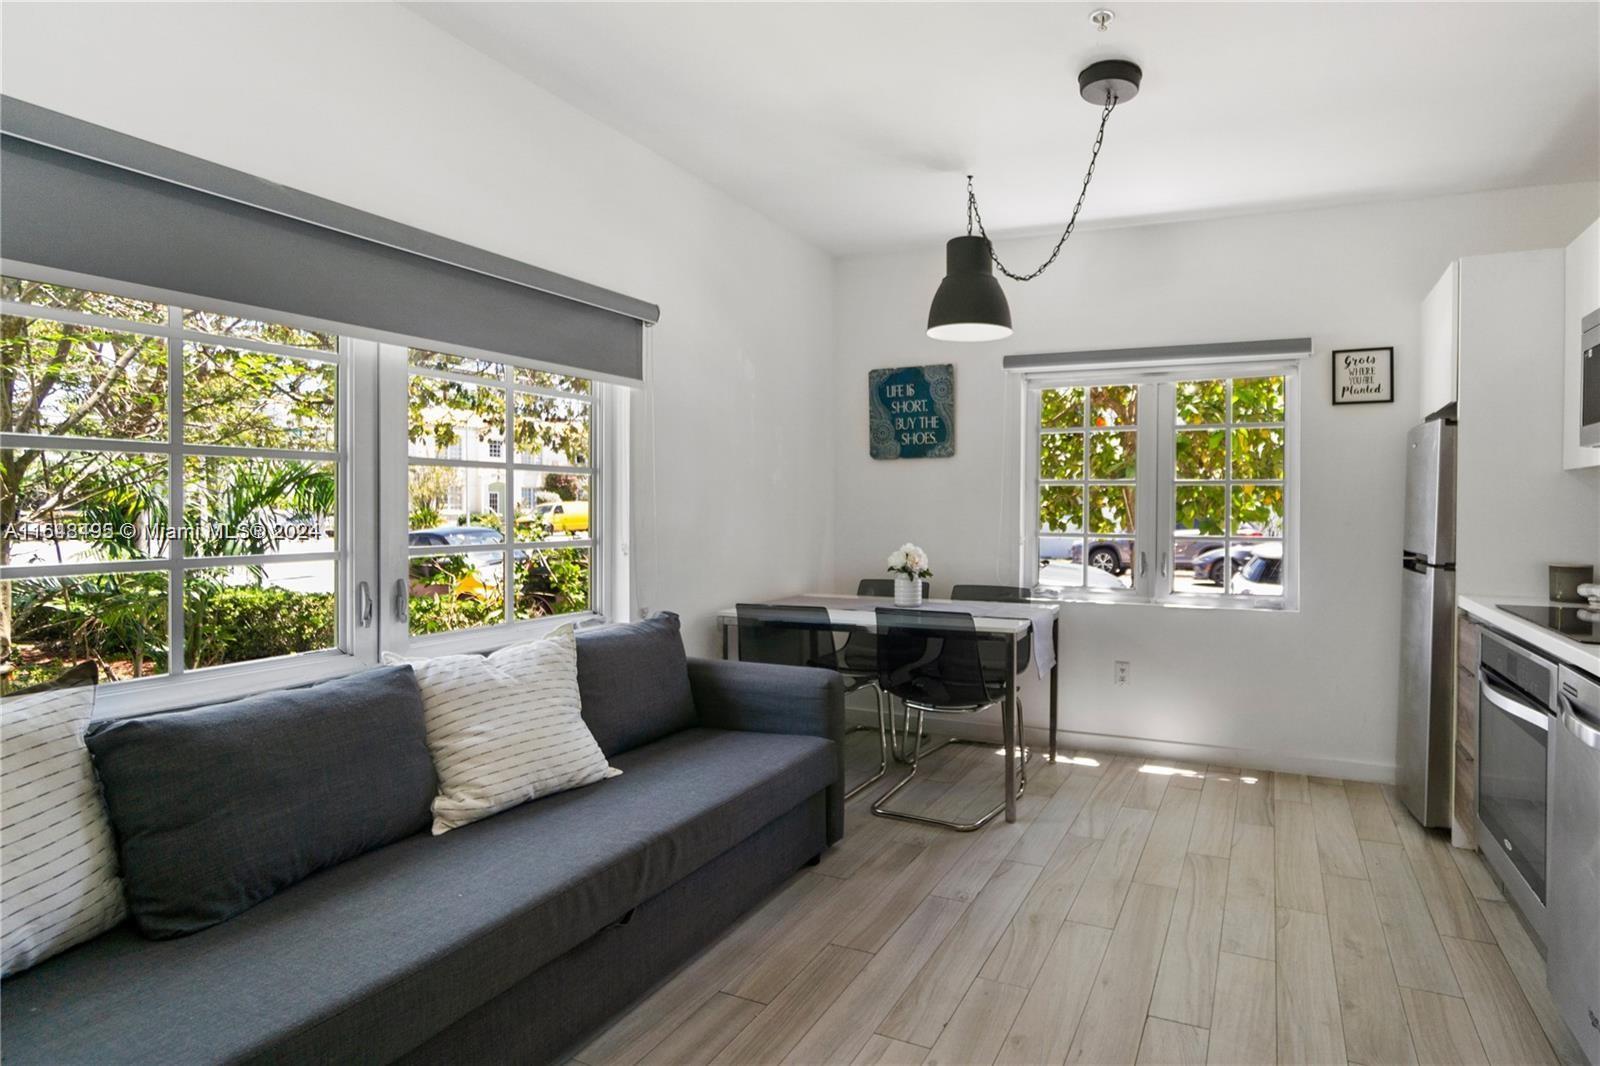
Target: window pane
1258, 399
1111, 508
552, 581
1110, 558
78, 507
1258, 454
67, 298
237, 614
552, 506
1262, 573
1201, 454
83, 381
1202, 403
455, 504
1200, 564
118, 621
552, 431
458, 591
257, 399
1061, 456
1113, 456
1061, 561
1060, 408
543, 379
1200, 509
1114, 405
453, 420
1258, 510
456, 364
1061, 508
254, 506
249, 329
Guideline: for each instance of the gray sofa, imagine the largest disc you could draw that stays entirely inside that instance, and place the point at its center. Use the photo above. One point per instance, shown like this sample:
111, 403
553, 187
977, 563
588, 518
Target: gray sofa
509, 940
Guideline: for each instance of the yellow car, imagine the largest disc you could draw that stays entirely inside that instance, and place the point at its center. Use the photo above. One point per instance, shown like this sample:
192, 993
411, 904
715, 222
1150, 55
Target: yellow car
569, 516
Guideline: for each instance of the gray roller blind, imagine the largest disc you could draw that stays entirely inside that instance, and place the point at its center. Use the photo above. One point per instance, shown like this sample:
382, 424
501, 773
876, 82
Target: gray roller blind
1287, 348
82, 198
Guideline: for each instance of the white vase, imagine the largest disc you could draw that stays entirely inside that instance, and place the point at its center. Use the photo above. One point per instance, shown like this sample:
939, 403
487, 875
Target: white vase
907, 591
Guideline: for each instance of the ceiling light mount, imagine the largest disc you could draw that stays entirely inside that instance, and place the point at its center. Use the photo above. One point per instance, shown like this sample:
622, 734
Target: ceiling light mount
969, 305
1102, 19
1110, 79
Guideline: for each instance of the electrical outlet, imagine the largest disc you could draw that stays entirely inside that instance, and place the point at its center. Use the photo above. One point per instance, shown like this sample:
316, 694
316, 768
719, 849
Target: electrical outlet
1120, 675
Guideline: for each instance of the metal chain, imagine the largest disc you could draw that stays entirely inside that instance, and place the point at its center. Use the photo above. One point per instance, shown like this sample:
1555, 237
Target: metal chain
974, 214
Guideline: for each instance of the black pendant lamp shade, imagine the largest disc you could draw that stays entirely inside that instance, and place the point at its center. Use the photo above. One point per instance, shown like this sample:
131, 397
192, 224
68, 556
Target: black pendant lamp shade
969, 305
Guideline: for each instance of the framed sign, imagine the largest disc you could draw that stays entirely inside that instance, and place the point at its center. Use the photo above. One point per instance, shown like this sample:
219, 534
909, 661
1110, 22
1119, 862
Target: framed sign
1363, 375
911, 412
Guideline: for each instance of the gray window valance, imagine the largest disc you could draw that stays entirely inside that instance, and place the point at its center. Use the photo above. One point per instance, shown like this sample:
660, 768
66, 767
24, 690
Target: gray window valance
82, 198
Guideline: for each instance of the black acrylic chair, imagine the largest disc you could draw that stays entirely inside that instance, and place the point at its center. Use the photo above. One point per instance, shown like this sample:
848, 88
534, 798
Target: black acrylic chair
792, 635
932, 661
993, 654
860, 651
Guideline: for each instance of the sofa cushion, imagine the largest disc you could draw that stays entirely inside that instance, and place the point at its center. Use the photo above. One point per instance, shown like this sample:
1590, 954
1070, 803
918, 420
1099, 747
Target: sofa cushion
366, 960
634, 680
217, 808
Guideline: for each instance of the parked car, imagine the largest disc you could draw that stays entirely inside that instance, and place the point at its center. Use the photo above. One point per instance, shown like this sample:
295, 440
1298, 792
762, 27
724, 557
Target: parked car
1208, 564
1059, 574
1263, 574
567, 516
1113, 557
486, 563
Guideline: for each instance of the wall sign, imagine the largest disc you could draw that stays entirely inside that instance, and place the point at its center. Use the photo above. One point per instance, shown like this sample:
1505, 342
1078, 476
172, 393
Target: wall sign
1363, 375
912, 411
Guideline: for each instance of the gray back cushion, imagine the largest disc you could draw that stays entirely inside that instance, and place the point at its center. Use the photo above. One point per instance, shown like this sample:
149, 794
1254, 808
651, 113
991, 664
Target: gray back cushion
634, 681
216, 808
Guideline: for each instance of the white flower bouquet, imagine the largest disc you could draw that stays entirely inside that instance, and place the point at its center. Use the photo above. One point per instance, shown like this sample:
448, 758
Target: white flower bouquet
909, 565
910, 560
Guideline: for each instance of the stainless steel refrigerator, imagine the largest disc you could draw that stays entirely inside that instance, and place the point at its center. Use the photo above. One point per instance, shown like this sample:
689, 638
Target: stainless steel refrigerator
1426, 740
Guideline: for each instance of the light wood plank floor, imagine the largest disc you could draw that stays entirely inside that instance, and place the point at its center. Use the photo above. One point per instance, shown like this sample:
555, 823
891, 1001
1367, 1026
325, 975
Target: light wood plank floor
1139, 911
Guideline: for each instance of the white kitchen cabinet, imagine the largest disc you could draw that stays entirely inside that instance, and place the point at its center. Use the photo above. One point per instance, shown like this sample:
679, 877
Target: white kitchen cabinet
1583, 296
1439, 350
1517, 509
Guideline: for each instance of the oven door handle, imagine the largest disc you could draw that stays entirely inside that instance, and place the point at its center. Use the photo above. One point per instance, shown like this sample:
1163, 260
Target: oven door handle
1582, 731
1514, 707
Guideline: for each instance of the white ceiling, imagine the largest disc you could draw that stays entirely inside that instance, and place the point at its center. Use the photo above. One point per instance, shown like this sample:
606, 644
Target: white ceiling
853, 124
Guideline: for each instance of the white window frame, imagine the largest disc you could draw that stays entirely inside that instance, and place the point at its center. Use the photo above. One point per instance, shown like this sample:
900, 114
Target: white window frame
366, 623
1154, 537
395, 460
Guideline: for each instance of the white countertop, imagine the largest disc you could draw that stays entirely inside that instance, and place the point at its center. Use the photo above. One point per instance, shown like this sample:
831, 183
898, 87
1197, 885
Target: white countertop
1584, 656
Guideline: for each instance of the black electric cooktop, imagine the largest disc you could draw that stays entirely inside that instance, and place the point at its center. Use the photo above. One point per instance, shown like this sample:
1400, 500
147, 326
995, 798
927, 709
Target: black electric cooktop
1582, 624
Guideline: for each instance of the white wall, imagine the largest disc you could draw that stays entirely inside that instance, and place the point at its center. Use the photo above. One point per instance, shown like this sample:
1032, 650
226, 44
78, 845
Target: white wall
370, 105
1315, 690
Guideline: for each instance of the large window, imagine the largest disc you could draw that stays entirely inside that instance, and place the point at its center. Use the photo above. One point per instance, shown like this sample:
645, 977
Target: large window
184, 489
1171, 487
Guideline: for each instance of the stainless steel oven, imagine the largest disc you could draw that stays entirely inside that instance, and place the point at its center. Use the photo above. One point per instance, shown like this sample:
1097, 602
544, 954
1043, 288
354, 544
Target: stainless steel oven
1516, 707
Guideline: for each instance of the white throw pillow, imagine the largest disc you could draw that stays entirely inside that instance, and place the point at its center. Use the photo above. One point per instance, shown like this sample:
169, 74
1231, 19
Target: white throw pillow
58, 860
505, 728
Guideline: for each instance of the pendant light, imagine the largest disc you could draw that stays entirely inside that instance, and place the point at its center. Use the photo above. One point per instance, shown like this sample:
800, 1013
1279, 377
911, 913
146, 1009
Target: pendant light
969, 304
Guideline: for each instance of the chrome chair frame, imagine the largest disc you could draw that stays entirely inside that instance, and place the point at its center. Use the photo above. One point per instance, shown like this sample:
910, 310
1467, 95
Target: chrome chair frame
1017, 756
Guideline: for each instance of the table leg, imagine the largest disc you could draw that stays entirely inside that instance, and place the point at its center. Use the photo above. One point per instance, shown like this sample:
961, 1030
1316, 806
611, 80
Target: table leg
725, 628
1055, 670
1009, 728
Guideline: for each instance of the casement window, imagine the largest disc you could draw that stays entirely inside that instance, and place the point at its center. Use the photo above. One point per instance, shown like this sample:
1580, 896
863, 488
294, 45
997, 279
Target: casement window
1168, 482
198, 499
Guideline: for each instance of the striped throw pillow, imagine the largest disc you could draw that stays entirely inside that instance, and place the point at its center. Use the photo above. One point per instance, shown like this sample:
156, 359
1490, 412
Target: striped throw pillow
506, 728
58, 863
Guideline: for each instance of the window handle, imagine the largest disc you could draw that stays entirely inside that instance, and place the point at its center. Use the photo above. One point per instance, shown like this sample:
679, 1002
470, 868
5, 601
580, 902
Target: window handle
1163, 564
1144, 563
363, 605
400, 600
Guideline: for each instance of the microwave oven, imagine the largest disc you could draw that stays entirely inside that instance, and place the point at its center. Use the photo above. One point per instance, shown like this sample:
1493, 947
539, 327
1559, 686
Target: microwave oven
1589, 371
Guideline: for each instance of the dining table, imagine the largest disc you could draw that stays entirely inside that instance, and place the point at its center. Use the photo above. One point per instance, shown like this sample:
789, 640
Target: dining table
1038, 621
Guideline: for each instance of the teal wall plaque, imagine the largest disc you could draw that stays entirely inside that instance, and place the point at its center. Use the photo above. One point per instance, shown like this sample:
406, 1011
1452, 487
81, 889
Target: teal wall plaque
912, 411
